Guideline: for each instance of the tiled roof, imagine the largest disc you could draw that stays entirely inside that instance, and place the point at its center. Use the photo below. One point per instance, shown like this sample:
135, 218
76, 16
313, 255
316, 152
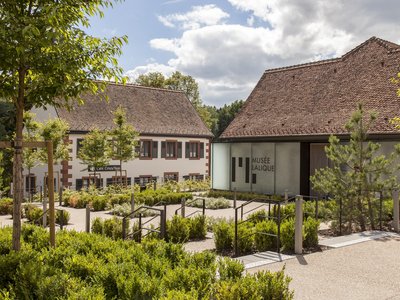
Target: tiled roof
150, 110
318, 98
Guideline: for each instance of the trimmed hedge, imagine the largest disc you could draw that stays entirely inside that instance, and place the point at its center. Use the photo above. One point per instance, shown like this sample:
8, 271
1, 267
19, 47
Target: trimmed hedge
241, 196
89, 266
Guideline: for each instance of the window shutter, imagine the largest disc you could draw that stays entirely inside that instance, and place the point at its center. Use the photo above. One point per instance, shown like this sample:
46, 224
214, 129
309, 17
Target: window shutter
163, 149
201, 150
78, 184
179, 150
187, 150
155, 150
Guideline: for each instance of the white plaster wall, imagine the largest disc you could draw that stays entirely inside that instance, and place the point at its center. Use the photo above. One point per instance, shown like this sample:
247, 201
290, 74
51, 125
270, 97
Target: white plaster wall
220, 166
287, 176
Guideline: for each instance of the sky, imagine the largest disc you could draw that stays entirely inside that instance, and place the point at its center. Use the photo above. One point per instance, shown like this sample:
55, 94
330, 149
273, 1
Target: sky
226, 45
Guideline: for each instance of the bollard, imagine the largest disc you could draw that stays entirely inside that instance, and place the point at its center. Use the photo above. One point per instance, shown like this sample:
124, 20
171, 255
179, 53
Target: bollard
396, 210
44, 212
163, 223
61, 219
298, 231
132, 204
234, 198
40, 193
155, 185
60, 195
183, 207
204, 206
286, 196
124, 229
87, 218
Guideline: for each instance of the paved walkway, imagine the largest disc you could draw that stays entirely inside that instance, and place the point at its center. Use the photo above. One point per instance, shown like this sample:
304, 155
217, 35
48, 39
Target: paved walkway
368, 270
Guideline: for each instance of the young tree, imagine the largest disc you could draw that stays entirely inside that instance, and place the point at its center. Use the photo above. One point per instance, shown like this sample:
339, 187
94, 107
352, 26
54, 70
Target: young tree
123, 139
47, 59
55, 130
94, 150
30, 155
152, 79
357, 173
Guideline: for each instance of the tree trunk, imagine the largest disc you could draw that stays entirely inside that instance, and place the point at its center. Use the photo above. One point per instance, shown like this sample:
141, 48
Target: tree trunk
17, 165
29, 185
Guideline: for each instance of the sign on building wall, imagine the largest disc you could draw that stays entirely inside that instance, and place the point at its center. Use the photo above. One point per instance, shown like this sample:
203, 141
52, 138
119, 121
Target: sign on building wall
263, 167
110, 168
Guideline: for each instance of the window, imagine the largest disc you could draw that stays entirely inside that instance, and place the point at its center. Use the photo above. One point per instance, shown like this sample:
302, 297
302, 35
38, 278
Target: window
240, 162
30, 183
171, 176
233, 167
171, 149
117, 180
194, 177
247, 175
145, 149
144, 180
78, 146
254, 178
194, 150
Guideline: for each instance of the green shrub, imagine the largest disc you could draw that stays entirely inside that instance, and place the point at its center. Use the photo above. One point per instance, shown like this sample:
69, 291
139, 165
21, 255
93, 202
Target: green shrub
310, 232
90, 266
258, 216
198, 227
6, 206
111, 228
262, 241
241, 195
178, 229
99, 202
230, 269
33, 213
223, 236
245, 242
62, 215
211, 203
97, 226
287, 234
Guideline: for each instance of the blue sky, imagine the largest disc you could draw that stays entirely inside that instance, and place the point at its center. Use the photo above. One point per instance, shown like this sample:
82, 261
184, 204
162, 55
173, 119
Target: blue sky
227, 44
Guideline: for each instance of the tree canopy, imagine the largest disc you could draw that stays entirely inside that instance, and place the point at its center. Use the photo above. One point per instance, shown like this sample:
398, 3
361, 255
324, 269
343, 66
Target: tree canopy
46, 58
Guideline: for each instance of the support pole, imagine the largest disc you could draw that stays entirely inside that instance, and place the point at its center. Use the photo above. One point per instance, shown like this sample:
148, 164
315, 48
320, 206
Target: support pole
87, 218
396, 210
298, 231
234, 197
60, 196
132, 203
50, 179
236, 234
183, 207
44, 213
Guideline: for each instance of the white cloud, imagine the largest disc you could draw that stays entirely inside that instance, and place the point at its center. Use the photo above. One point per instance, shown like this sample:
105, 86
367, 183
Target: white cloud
199, 16
227, 59
151, 67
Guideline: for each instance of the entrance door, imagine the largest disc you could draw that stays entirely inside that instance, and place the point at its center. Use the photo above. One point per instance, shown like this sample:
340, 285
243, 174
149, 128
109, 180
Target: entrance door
318, 160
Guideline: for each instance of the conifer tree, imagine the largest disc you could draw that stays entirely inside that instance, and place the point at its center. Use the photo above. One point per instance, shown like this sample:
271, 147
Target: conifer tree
356, 173
124, 139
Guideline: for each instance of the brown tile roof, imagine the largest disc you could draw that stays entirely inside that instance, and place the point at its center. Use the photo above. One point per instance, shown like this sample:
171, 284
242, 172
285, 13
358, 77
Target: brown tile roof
318, 98
150, 110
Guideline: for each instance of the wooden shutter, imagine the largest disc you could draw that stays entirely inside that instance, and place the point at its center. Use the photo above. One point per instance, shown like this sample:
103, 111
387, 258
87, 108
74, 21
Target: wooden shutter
201, 150
154, 153
187, 150
163, 149
179, 155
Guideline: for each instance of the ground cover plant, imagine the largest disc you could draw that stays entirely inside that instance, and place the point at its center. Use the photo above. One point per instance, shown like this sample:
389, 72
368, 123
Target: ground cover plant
90, 266
211, 203
241, 195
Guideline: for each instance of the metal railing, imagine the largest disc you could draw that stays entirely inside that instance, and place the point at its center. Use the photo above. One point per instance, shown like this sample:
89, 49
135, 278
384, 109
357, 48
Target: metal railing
265, 202
42, 220
184, 203
161, 230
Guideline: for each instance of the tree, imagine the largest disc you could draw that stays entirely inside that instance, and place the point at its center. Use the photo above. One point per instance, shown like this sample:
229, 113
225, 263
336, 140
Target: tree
94, 150
179, 82
47, 59
123, 139
356, 174
55, 130
225, 115
7, 131
30, 155
152, 79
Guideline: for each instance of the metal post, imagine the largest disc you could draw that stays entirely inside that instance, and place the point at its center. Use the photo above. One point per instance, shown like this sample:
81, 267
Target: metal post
279, 229
234, 198
140, 228
396, 210
340, 216
60, 196
204, 206
380, 210
87, 218
50, 183
44, 212
61, 219
132, 203
236, 234
40, 193
286, 196
163, 221
316, 208
155, 185
298, 231
124, 228
241, 212
183, 207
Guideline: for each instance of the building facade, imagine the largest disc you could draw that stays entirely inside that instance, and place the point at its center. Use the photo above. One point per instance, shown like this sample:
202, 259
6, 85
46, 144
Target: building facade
277, 140
173, 142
